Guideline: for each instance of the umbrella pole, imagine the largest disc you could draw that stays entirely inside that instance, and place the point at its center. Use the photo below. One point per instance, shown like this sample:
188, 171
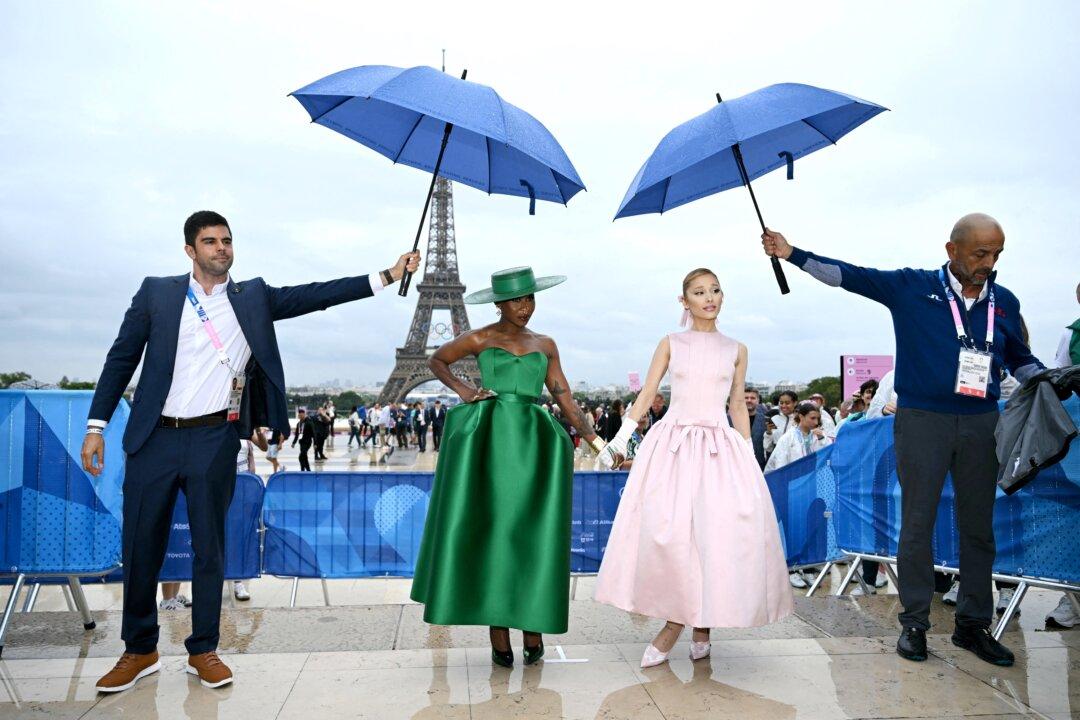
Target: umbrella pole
406, 279
781, 279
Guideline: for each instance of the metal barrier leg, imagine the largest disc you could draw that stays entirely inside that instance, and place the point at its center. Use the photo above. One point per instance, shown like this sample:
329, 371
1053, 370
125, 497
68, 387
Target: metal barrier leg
820, 578
80, 602
31, 598
852, 569
325, 593
16, 588
295, 587
891, 572
68, 600
1074, 599
1013, 606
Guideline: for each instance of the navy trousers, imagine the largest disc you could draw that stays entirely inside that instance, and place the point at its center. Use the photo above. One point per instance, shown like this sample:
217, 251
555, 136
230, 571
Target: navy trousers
928, 446
202, 463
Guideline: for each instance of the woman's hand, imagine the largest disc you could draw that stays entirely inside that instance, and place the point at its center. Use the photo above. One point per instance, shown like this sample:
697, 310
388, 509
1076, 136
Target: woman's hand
819, 433
476, 395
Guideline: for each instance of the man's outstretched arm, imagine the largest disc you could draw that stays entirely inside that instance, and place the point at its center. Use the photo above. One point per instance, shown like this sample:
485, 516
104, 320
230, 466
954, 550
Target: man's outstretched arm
878, 285
288, 302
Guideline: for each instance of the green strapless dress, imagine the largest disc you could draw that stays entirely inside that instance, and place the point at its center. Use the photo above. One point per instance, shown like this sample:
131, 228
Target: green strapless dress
496, 545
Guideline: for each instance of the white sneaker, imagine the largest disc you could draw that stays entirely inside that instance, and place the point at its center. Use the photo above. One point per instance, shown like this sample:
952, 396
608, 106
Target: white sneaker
797, 580
859, 591
1005, 596
172, 604
1064, 615
239, 591
882, 579
949, 598
653, 657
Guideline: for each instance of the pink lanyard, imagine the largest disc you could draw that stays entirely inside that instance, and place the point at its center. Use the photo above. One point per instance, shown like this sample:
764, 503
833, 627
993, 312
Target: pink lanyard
961, 332
208, 325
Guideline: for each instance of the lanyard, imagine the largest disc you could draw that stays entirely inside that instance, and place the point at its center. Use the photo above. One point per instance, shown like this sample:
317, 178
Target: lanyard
961, 332
208, 325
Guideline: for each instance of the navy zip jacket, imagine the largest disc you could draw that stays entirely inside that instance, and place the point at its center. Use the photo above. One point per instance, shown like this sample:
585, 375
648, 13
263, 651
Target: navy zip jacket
927, 349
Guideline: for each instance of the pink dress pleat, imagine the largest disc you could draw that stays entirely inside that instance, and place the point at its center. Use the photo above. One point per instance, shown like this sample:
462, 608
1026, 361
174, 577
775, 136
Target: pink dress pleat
695, 538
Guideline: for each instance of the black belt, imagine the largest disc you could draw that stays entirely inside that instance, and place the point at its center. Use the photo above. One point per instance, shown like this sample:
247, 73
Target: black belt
215, 418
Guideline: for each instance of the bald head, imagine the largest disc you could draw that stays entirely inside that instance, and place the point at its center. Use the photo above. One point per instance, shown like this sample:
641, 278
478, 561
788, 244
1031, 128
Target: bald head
975, 244
975, 226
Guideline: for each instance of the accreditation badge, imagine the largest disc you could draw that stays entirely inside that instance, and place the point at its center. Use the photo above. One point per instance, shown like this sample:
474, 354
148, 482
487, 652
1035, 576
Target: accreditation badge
236, 393
973, 375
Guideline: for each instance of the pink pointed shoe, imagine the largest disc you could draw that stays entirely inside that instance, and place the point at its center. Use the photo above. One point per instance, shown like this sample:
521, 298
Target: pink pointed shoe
700, 650
653, 657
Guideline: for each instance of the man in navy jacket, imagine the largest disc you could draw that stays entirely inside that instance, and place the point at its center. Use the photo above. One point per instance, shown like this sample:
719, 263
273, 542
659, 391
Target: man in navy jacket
211, 374
948, 372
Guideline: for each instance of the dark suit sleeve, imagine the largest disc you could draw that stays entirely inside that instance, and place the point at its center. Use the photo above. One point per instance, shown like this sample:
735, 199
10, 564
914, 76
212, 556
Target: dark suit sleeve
123, 357
288, 302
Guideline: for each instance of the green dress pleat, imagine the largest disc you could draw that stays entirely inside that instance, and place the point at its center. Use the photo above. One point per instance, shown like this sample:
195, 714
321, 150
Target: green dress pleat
496, 545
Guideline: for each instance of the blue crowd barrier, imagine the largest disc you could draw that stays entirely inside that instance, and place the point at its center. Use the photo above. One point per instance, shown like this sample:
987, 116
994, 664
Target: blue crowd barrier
804, 497
344, 525
55, 519
1035, 528
595, 499
242, 559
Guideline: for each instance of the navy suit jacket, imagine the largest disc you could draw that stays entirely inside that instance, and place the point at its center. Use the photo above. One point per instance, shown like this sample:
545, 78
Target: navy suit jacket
152, 323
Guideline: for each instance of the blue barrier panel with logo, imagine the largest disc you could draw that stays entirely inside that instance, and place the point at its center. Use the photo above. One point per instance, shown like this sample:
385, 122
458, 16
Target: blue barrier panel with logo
804, 497
339, 525
595, 499
1034, 529
241, 535
54, 517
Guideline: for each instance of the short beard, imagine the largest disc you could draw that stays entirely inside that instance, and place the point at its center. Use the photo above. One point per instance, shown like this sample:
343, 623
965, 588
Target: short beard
211, 268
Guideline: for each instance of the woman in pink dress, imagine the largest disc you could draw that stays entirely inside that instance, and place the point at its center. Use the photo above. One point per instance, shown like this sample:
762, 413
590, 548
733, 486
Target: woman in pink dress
695, 539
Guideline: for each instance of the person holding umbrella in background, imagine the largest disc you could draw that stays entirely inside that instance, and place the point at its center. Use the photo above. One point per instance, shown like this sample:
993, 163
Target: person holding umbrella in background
957, 330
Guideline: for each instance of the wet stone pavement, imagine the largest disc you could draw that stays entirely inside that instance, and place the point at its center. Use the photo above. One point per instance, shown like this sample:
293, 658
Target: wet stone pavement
370, 655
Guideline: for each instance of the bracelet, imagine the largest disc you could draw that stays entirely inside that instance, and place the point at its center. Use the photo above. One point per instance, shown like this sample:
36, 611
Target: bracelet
597, 444
93, 430
388, 279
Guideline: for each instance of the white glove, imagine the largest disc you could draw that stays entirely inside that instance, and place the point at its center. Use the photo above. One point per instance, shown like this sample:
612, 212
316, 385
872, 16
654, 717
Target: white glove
622, 438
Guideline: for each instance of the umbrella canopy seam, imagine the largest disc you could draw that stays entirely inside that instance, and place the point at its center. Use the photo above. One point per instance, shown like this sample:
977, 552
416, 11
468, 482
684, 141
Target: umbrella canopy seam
408, 137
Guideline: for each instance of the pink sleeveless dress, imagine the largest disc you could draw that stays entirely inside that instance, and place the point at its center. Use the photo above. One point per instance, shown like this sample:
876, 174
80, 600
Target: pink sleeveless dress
695, 538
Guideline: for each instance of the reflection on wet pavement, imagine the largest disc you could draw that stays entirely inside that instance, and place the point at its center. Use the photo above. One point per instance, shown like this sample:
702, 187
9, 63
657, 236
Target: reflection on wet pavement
372, 656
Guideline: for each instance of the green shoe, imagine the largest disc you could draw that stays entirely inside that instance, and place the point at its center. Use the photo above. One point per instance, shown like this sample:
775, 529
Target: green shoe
533, 654
505, 659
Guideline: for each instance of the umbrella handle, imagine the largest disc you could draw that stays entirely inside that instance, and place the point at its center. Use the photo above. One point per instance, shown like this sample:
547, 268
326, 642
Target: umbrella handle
781, 279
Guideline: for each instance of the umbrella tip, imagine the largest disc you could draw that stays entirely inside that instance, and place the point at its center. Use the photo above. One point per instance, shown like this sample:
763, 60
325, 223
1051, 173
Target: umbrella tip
718, 98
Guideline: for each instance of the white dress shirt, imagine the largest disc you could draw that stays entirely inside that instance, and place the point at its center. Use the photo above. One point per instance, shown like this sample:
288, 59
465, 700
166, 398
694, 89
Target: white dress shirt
200, 383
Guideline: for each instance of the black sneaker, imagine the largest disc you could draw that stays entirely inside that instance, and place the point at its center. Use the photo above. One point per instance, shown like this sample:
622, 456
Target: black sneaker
912, 644
979, 641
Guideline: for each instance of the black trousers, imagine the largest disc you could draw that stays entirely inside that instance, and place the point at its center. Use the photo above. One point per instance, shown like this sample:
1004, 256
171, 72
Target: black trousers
202, 463
928, 446
320, 442
305, 445
421, 437
436, 436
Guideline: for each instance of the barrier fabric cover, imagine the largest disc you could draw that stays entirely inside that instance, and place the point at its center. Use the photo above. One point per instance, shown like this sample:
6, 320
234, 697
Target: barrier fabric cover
1035, 529
55, 517
804, 496
338, 525
242, 560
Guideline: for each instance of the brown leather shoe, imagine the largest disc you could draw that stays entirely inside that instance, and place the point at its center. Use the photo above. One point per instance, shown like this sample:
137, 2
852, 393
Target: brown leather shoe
127, 671
211, 671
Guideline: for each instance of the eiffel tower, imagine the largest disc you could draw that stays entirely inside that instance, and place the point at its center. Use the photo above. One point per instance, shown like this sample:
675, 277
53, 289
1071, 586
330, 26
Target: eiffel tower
441, 289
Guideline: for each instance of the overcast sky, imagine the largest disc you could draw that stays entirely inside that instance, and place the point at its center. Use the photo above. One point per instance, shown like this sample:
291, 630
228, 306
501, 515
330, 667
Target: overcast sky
117, 120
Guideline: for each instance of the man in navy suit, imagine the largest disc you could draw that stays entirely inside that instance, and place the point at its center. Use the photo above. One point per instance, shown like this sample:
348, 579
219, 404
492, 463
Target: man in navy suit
211, 374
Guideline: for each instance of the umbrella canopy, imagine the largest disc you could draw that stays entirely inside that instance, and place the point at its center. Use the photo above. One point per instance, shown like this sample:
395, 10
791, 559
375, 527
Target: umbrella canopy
402, 113
773, 127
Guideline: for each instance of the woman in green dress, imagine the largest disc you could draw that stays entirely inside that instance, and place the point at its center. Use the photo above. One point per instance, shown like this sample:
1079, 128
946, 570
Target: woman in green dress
496, 546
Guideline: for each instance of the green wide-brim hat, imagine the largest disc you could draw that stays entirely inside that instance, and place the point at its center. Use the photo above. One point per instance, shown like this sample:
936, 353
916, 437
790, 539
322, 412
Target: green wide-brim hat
513, 283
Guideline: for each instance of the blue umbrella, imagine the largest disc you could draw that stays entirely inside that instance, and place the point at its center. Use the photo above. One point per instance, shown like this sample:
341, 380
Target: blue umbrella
740, 140
460, 130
